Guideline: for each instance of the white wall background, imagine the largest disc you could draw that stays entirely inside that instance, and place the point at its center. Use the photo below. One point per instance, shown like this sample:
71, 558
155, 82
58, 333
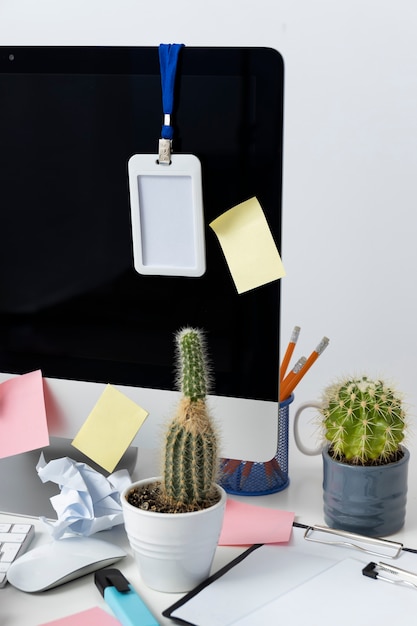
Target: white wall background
350, 154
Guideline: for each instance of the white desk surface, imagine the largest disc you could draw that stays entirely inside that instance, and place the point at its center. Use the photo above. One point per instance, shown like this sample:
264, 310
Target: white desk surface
303, 496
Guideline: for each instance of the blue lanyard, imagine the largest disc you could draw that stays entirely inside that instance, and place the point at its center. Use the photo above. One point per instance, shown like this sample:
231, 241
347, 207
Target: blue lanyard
168, 58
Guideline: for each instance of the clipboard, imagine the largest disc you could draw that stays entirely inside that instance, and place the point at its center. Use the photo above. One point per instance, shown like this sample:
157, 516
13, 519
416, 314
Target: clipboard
266, 580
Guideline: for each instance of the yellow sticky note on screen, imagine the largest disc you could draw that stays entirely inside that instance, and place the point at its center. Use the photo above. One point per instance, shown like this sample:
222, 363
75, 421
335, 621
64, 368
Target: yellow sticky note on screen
110, 428
248, 246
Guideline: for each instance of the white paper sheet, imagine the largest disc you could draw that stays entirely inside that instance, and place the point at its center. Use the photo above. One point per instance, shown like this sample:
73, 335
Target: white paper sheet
341, 595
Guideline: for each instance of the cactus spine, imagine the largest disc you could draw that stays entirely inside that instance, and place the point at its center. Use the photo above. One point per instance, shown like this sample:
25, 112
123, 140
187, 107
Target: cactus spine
364, 421
190, 463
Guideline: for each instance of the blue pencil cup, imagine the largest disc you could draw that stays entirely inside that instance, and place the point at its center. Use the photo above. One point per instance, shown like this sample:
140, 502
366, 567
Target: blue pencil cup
253, 478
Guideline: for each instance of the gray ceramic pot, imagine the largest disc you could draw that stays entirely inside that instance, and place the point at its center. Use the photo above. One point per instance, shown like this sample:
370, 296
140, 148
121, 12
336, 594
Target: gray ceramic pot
369, 500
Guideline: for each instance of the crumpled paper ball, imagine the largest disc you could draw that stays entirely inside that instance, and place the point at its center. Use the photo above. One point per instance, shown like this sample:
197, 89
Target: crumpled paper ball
88, 502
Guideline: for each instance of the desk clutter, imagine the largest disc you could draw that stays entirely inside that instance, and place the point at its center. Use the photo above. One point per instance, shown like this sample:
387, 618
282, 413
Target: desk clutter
297, 571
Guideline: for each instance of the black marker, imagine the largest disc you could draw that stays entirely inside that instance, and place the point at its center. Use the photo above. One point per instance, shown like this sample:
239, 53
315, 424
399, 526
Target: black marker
123, 600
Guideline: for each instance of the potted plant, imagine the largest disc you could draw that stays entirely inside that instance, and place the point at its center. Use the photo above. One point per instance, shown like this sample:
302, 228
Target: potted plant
173, 522
365, 462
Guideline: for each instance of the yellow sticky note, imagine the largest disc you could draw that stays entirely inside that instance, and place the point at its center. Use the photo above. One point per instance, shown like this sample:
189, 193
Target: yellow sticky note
110, 428
248, 246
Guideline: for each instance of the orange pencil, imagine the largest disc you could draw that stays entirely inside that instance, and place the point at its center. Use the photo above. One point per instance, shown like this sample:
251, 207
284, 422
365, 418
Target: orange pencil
230, 465
288, 352
286, 383
246, 471
290, 386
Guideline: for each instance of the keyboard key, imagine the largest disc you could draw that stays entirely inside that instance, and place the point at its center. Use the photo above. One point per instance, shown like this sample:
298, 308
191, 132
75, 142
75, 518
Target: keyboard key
14, 540
5, 528
20, 528
8, 552
12, 537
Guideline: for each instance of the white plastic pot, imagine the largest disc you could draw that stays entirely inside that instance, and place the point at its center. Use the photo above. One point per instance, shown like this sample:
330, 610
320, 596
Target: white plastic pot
173, 551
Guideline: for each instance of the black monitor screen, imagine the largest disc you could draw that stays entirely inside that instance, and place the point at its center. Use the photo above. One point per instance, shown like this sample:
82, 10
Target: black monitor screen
71, 302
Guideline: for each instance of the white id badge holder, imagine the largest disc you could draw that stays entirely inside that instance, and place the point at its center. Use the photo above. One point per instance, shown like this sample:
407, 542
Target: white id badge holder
166, 198
167, 215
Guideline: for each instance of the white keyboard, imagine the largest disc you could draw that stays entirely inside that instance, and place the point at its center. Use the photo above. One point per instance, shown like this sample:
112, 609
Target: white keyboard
14, 540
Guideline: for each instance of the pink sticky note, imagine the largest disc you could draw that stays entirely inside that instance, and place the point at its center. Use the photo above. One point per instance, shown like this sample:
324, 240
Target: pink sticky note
23, 424
245, 524
90, 617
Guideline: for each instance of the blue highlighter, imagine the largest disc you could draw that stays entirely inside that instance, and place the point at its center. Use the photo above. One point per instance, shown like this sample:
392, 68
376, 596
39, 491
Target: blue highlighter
123, 600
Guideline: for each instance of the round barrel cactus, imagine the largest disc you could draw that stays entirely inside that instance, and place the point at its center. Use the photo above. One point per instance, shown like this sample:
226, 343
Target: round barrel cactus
364, 421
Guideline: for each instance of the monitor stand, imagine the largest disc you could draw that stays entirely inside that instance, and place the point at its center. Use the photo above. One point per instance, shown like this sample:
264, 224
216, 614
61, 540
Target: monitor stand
21, 490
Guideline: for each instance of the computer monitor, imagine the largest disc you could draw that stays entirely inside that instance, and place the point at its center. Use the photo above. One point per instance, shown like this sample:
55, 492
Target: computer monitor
71, 303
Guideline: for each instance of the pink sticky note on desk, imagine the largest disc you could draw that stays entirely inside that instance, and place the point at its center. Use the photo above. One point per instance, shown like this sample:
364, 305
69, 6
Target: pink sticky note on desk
246, 524
23, 424
90, 617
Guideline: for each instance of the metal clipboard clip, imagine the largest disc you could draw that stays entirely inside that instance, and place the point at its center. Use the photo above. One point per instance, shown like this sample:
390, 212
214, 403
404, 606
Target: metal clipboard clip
399, 576
388, 549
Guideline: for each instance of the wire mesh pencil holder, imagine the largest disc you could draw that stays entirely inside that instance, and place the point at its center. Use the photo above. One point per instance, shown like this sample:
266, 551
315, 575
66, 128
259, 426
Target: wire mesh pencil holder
253, 478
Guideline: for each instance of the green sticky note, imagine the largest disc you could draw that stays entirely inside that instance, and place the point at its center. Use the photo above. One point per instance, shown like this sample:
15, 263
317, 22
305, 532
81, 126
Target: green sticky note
110, 428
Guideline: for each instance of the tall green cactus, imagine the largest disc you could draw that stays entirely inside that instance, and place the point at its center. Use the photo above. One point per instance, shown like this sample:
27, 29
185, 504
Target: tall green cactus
190, 462
363, 420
